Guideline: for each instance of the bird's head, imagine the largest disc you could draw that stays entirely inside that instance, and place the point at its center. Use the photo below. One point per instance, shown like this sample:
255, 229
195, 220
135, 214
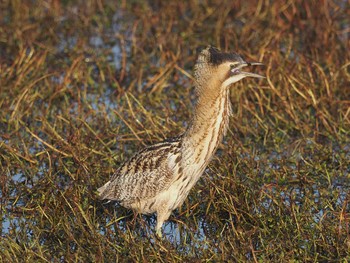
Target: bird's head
219, 68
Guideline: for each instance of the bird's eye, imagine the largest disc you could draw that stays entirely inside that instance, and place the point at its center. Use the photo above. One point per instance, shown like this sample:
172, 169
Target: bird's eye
232, 66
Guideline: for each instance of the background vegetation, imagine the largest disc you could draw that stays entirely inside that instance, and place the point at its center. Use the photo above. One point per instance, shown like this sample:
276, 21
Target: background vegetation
86, 83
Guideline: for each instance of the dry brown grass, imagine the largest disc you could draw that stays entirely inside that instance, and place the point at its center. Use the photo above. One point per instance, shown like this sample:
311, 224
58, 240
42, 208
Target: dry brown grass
84, 84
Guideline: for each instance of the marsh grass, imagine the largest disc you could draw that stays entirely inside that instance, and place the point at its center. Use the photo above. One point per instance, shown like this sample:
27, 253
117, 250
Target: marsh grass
85, 84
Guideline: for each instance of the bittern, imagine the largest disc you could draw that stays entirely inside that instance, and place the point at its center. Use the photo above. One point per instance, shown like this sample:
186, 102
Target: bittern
159, 177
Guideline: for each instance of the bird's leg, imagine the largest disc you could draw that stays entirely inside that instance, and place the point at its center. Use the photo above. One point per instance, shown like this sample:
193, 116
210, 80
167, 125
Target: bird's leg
134, 218
159, 232
162, 215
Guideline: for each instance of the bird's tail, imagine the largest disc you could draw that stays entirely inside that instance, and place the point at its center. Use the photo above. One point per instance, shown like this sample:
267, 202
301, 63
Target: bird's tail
101, 191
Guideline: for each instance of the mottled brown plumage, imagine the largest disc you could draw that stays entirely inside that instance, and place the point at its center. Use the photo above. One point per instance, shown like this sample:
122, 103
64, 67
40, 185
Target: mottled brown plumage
159, 177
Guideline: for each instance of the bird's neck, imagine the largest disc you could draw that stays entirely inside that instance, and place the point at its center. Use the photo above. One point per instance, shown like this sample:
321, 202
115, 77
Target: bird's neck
208, 126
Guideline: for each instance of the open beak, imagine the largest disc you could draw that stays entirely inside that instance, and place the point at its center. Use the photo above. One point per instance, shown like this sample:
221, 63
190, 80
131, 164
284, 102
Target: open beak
237, 70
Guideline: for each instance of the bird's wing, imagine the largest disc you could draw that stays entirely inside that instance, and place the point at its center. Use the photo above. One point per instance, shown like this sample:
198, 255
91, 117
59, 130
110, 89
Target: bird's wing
146, 174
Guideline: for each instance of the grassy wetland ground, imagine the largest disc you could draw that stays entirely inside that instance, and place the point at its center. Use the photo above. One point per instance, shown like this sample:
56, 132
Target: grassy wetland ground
84, 84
